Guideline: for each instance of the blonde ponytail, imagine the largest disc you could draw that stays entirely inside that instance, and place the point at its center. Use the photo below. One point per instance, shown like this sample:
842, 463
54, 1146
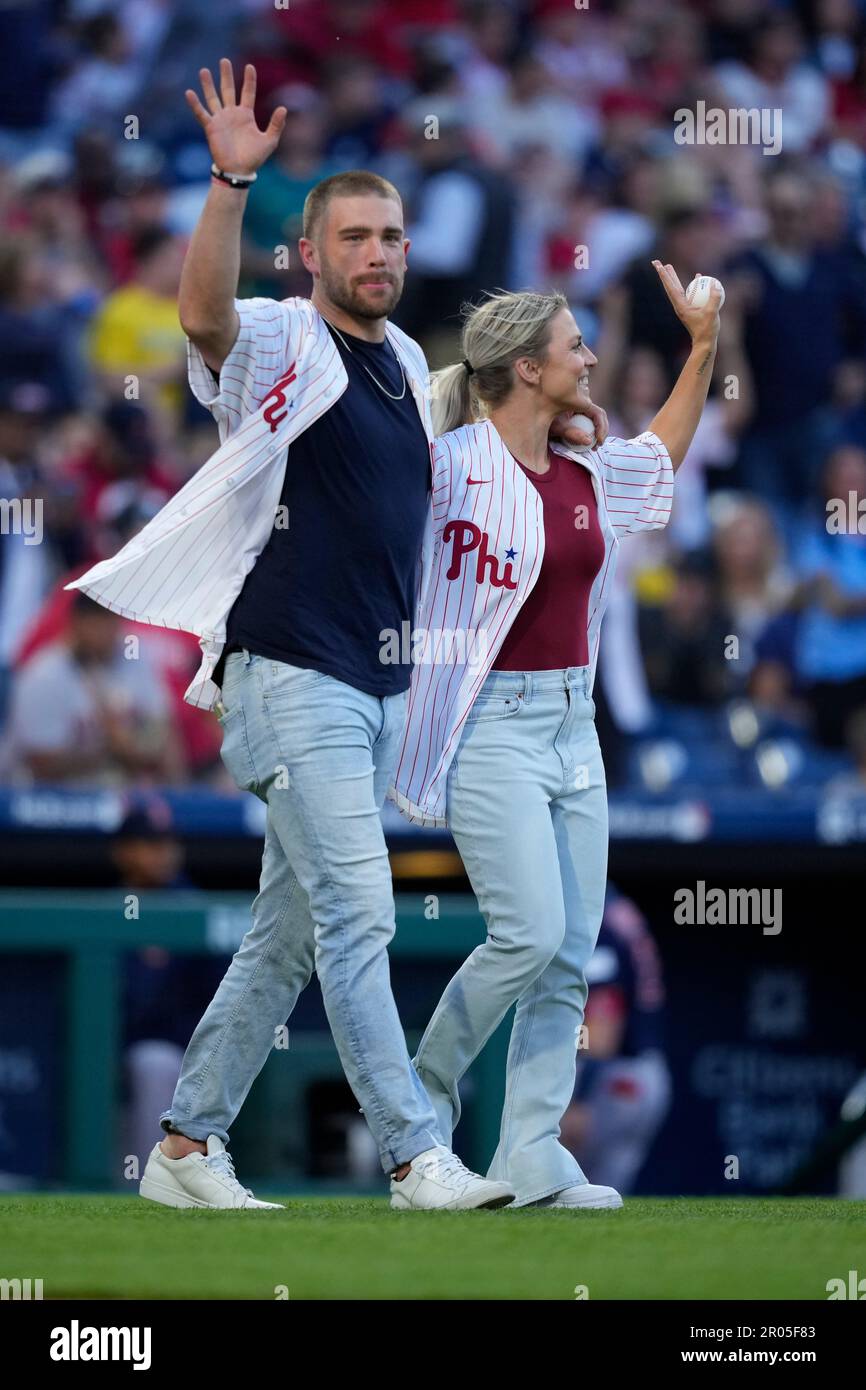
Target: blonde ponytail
451, 400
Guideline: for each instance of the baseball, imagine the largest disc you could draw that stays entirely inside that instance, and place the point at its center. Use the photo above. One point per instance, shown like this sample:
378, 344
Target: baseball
698, 292
583, 422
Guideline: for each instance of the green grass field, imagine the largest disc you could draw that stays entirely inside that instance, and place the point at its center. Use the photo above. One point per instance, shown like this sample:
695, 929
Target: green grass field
120, 1247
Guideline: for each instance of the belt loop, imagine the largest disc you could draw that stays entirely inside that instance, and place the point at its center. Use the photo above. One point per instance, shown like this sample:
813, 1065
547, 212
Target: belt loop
527, 686
247, 655
586, 681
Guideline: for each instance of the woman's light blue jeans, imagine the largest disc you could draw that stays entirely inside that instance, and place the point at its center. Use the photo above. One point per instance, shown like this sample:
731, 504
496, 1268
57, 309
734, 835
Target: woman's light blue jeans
527, 805
320, 754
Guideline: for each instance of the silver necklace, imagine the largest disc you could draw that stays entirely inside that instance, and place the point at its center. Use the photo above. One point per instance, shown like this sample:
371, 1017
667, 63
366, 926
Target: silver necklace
367, 369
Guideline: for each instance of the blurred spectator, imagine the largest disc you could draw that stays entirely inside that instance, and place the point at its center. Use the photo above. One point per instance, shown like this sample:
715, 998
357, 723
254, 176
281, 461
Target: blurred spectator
137, 331
142, 202
91, 710
831, 26
360, 114
753, 585
530, 113
852, 785
688, 240
849, 99
774, 75
275, 203
119, 470
488, 43
683, 638
47, 213
361, 30
804, 311
164, 994
595, 241
830, 652
103, 87
584, 57
460, 226
25, 557
36, 334
26, 31
774, 685
623, 1085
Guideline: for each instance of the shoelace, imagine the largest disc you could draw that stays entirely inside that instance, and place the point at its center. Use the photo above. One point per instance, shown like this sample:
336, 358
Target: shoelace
448, 1166
222, 1163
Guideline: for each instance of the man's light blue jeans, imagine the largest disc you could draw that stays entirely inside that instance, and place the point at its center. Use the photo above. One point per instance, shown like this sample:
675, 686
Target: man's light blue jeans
320, 754
527, 805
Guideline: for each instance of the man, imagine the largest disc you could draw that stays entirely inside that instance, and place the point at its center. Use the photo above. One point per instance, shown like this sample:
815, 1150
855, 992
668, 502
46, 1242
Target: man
136, 329
290, 617
164, 992
623, 1086
91, 709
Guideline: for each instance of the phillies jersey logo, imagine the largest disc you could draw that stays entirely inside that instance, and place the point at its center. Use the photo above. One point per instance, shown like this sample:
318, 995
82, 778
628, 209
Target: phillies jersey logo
466, 537
278, 393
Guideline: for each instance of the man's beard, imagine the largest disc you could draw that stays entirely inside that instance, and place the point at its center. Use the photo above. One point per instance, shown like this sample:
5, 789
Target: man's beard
348, 297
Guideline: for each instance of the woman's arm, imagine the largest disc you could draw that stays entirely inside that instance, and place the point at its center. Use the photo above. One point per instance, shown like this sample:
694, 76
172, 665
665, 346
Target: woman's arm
676, 422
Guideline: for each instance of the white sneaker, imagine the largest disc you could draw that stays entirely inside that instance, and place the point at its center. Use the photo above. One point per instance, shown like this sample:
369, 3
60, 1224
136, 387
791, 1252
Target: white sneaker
438, 1181
584, 1194
196, 1180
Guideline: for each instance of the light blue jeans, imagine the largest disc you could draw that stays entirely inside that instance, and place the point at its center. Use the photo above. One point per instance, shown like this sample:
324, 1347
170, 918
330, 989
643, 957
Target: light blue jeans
527, 805
320, 754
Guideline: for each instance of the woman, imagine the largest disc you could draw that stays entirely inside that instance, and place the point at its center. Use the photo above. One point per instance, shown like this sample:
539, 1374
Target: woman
500, 742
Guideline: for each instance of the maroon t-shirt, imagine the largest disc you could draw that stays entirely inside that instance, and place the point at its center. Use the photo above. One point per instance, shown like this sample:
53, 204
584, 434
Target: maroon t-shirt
550, 630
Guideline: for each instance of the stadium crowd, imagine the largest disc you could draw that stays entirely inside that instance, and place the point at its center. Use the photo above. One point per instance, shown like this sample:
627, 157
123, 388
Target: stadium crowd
535, 143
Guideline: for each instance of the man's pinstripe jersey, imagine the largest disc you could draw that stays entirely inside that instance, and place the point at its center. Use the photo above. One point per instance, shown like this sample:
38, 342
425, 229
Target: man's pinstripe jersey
488, 528
187, 566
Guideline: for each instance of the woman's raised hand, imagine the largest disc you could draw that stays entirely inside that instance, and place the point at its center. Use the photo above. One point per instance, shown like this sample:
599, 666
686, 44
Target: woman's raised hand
702, 324
234, 139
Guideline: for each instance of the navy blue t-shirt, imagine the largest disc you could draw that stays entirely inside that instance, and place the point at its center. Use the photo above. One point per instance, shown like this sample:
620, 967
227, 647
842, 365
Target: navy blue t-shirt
344, 569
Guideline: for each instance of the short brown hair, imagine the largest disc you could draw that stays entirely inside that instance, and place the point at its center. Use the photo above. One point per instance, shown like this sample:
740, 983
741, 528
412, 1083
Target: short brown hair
348, 185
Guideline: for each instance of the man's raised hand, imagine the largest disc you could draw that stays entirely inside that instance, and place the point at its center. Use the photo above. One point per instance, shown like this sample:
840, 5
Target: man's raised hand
234, 140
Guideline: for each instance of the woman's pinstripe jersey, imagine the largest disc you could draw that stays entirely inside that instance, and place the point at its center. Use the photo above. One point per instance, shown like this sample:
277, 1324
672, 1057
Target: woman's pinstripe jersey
187, 566
488, 529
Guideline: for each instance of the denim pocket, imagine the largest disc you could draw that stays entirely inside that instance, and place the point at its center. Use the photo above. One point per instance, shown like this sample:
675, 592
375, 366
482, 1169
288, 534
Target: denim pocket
279, 679
489, 707
235, 748
226, 712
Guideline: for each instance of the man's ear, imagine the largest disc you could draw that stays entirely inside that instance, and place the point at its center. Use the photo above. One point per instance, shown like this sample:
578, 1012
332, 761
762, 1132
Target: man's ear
308, 254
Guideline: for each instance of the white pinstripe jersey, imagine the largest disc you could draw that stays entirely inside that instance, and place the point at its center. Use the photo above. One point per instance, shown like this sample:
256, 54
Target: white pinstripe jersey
187, 566
485, 506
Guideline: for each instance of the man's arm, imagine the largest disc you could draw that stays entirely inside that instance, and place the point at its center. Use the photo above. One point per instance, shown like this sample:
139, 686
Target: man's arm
210, 272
